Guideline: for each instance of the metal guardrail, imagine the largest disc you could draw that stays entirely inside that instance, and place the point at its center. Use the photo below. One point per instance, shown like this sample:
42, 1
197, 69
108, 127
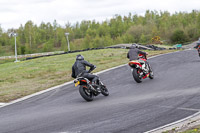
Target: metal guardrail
38, 55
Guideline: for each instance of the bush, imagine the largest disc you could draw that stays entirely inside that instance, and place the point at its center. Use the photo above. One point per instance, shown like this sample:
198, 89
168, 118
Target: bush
23, 49
178, 37
48, 46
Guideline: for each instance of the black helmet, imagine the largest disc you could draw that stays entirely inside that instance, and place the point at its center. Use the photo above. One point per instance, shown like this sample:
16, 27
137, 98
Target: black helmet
132, 46
79, 57
136, 45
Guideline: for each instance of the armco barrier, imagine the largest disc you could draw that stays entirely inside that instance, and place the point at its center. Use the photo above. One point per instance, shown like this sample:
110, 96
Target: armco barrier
88, 49
75, 51
39, 55
30, 55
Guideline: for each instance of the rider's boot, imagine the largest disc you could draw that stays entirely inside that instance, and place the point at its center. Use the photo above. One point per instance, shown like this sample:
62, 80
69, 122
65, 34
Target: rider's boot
97, 88
148, 67
92, 87
145, 68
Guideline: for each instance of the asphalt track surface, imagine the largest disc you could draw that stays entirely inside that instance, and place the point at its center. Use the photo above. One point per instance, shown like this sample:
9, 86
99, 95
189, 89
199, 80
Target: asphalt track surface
131, 107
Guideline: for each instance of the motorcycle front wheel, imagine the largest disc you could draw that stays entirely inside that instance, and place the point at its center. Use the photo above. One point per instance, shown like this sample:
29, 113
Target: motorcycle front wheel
151, 76
86, 93
104, 90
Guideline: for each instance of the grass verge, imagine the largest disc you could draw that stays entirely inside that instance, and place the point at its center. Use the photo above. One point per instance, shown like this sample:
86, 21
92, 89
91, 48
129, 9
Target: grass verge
195, 129
30, 76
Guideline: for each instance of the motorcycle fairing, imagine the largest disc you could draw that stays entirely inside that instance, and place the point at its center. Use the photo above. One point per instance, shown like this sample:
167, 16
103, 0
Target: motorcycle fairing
134, 62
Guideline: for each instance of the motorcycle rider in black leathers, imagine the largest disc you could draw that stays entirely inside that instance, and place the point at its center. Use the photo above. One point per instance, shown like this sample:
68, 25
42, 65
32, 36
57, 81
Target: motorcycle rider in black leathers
79, 70
133, 54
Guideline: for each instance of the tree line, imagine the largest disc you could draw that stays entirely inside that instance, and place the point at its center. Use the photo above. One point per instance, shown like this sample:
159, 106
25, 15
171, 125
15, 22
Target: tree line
173, 28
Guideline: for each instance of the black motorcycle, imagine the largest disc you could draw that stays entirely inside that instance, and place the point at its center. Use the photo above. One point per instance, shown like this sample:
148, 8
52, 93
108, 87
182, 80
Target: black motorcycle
88, 90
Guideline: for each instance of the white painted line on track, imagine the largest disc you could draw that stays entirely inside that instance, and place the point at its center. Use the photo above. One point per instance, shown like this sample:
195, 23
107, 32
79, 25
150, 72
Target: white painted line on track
35, 94
67, 83
1, 104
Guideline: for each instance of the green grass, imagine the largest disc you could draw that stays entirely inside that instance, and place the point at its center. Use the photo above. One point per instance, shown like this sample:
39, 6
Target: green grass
2, 61
30, 76
195, 129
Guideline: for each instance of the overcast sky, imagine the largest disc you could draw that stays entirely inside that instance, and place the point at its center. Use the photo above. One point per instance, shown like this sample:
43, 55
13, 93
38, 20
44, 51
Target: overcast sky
16, 12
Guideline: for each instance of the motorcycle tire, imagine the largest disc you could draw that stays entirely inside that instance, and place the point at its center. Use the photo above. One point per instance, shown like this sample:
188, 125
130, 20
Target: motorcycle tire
88, 96
104, 91
151, 75
136, 76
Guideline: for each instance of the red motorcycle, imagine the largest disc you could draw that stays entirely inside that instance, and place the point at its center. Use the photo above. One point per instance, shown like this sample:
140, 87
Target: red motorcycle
198, 48
140, 69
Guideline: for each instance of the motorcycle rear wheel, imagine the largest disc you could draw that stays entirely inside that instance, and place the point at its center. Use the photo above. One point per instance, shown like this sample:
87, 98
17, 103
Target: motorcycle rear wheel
85, 93
136, 76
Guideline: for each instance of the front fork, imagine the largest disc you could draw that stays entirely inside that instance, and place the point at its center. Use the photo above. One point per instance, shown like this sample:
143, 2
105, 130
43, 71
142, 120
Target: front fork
100, 83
